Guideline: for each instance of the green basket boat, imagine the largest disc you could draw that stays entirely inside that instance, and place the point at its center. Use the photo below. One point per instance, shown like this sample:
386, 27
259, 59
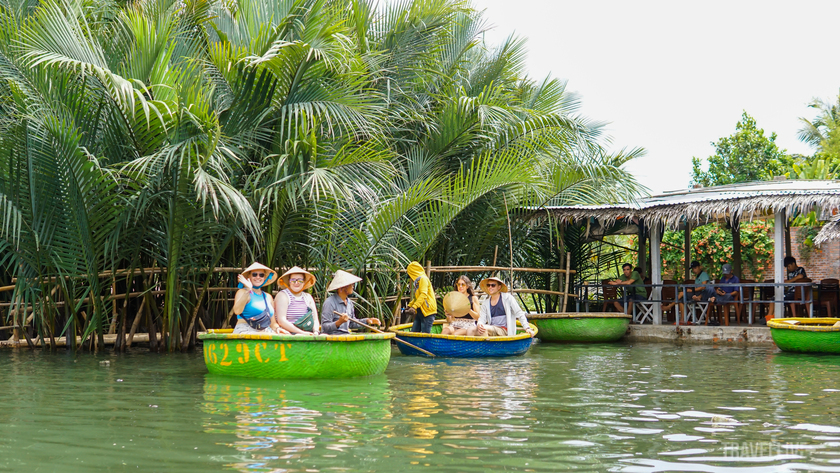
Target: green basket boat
290, 356
581, 327
804, 335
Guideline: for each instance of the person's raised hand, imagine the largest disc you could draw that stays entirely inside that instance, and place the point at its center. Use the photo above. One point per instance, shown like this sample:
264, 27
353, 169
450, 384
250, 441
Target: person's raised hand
245, 282
373, 321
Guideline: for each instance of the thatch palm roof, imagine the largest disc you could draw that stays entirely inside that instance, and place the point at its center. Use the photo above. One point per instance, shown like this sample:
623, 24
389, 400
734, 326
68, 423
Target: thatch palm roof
830, 232
736, 202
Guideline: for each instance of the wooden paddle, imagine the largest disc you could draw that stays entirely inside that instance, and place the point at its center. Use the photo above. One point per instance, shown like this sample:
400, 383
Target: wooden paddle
352, 319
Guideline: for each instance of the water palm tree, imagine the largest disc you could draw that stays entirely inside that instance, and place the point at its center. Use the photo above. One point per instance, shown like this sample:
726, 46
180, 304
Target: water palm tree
192, 134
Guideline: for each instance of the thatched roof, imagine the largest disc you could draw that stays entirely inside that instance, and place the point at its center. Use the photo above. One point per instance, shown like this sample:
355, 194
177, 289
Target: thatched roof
830, 231
737, 202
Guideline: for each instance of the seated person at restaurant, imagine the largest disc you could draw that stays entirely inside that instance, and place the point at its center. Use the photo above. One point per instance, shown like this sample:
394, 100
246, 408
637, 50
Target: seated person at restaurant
727, 291
633, 290
253, 306
499, 312
294, 309
701, 291
338, 308
461, 325
795, 273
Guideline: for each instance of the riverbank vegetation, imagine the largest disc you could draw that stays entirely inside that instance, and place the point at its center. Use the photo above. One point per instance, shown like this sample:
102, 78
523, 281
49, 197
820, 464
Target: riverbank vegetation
166, 138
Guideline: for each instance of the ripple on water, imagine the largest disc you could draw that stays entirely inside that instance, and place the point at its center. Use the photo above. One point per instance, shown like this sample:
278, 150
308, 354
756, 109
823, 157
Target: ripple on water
524, 414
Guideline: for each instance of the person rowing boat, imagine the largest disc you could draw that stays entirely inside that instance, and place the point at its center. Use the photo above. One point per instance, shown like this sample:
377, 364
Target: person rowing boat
337, 310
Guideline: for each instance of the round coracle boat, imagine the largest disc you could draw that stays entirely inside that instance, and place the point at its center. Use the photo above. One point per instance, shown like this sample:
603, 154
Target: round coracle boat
805, 335
457, 346
296, 356
581, 327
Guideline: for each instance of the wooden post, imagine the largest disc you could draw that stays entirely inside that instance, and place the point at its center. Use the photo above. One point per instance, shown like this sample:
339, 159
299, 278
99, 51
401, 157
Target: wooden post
736, 249
642, 254
428, 268
656, 270
566, 277
778, 259
687, 251
788, 251
495, 254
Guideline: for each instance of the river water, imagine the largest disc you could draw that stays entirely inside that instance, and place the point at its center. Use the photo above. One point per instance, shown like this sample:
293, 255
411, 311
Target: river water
639, 408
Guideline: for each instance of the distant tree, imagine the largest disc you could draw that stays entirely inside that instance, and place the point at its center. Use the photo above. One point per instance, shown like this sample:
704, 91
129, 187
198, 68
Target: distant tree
823, 133
746, 155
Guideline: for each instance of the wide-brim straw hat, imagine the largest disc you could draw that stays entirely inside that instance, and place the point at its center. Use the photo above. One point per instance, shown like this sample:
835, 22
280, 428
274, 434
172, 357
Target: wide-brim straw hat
308, 280
341, 279
483, 284
456, 304
271, 275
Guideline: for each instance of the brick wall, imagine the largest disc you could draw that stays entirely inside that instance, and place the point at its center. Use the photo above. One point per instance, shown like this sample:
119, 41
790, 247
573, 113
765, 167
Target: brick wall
820, 263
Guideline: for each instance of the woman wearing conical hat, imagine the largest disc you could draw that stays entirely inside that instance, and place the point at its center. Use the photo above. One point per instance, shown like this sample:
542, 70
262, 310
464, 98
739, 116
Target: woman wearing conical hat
460, 324
338, 308
254, 307
294, 309
499, 312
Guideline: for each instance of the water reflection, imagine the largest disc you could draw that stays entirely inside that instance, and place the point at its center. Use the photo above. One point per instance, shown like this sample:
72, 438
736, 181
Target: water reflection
594, 408
276, 421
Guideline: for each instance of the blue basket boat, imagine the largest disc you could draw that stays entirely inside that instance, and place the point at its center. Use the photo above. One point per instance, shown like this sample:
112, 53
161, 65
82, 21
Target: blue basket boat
450, 346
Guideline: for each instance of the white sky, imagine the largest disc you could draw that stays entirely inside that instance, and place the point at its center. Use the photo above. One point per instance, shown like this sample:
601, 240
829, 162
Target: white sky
673, 76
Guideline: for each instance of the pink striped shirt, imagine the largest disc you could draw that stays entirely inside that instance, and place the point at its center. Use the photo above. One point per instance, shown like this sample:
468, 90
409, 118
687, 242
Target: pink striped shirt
297, 306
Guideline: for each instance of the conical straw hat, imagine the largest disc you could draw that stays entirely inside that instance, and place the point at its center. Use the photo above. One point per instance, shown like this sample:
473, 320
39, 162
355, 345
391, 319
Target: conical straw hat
308, 280
483, 284
341, 279
456, 304
270, 278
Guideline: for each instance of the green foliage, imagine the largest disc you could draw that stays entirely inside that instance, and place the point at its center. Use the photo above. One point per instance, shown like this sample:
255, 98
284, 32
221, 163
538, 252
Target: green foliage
711, 245
321, 133
746, 155
823, 132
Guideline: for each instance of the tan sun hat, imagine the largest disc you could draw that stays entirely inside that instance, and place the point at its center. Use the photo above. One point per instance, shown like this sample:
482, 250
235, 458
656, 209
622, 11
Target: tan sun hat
341, 279
308, 280
483, 284
456, 304
271, 275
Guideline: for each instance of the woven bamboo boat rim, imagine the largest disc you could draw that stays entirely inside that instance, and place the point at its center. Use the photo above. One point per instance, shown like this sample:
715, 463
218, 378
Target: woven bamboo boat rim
579, 315
227, 334
401, 331
806, 324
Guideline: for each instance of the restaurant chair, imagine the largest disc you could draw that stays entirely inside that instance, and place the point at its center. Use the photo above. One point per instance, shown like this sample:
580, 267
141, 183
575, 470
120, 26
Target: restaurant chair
610, 294
738, 304
829, 296
643, 310
800, 293
669, 293
765, 293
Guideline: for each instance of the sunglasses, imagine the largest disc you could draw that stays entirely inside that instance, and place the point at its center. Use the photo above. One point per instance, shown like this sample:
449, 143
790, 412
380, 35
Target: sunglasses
257, 275
296, 280
462, 284
491, 284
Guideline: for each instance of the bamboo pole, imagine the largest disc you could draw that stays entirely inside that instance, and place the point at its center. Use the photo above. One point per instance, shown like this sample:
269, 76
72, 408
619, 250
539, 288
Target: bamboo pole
135, 324
541, 291
566, 278
380, 331
510, 241
62, 341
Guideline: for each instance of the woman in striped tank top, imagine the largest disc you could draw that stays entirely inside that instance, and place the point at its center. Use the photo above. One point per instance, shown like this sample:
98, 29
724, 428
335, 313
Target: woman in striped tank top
292, 303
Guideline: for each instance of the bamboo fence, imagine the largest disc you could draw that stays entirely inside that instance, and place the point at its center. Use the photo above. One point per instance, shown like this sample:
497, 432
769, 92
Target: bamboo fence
223, 295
